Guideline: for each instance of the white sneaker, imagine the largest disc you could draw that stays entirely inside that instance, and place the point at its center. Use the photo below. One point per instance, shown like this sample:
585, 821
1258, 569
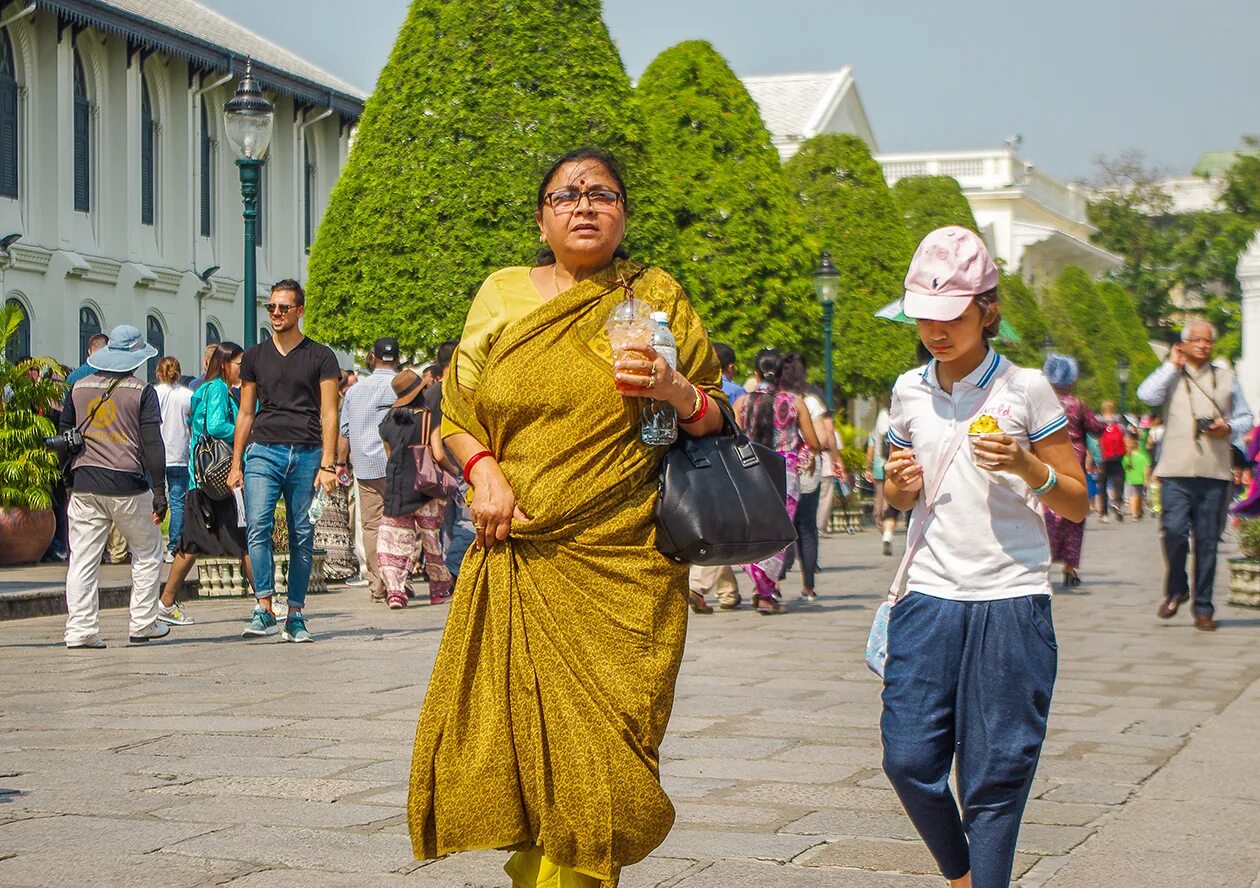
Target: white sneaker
94, 642
174, 615
169, 557
156, 629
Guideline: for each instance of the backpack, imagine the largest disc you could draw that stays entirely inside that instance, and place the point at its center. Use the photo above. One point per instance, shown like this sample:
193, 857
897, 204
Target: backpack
1112, 441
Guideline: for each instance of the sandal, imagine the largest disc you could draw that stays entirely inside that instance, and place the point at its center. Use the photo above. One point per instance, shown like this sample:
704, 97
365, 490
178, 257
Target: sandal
698, 604
769, 607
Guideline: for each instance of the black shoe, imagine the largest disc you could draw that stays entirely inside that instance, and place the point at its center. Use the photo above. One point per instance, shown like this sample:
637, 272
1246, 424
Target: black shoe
887, 547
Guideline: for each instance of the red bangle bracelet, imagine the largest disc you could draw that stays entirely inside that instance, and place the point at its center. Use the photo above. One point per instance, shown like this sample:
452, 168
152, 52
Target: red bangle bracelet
476, 458
700, 411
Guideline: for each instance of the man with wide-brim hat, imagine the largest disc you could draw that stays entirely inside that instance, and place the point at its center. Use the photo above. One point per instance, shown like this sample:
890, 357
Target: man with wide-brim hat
116, 478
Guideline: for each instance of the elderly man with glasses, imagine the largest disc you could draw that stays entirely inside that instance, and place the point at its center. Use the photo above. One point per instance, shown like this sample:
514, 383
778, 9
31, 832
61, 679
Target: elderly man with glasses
286, 444
1203, 409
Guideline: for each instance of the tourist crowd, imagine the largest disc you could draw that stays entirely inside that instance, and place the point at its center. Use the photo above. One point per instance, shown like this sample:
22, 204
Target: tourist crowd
520, 455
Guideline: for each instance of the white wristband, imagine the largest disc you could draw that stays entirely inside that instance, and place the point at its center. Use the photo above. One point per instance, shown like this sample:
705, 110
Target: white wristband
1051, 483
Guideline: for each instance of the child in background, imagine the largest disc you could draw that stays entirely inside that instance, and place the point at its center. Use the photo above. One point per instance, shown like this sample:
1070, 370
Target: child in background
1137, 471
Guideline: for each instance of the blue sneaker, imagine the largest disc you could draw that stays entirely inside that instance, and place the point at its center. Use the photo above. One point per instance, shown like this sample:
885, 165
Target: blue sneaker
295, 629
261, 624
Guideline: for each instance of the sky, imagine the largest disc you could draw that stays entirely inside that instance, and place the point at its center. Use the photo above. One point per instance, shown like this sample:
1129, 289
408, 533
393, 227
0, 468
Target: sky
1075, 78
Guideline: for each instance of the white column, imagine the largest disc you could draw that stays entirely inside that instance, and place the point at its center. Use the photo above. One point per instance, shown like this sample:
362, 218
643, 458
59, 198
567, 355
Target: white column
1249, 281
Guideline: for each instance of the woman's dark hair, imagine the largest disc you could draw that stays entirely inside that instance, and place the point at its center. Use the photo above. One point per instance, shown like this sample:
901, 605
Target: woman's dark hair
793, 376
224, 354
760, 410
983, 301
545, 254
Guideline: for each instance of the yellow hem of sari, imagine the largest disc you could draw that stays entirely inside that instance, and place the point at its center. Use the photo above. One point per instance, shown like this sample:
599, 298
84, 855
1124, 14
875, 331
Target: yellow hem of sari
534, 869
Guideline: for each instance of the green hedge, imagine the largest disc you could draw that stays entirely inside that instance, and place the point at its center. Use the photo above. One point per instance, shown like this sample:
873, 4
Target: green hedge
845, 206
931, 202
439, 189
1082, 326
721, 189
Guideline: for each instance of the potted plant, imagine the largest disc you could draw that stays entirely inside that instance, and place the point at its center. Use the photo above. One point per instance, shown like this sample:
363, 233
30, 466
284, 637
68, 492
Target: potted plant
1244, 572
28, 469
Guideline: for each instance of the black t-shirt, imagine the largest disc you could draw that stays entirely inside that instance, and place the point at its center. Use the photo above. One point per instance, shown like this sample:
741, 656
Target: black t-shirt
433, 402
400, 429
288, 391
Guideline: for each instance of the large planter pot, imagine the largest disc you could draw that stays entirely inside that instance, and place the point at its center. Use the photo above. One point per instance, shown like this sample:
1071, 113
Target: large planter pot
1244, 582
25, 535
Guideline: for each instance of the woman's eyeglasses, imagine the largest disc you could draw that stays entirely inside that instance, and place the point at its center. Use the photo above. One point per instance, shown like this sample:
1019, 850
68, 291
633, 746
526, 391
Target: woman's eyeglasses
566, 200
278, 309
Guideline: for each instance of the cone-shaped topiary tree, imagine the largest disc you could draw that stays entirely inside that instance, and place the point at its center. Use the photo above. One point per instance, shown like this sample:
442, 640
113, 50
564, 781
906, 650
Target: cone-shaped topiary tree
845, 207
1082, 326
1134, 342
931, 202
721, 189
439, 190
1020, 308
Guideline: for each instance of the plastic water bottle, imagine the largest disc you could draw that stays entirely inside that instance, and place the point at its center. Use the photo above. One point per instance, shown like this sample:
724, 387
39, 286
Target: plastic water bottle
660, 420
317, 507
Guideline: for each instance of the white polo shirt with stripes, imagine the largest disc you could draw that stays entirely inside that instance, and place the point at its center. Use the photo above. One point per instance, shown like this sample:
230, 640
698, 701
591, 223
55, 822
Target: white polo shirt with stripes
986, 538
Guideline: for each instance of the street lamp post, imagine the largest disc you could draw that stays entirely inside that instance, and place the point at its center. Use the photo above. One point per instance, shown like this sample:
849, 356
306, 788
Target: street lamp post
249, 118
1122, 374
1047, 347
827, 287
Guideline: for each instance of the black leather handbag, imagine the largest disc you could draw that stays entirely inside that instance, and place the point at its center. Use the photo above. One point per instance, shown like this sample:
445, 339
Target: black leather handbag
722, 500
212, 462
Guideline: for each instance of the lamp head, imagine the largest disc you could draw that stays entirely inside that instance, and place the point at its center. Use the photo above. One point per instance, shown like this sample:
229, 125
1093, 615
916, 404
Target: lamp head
826, 280
9, 240
249, 117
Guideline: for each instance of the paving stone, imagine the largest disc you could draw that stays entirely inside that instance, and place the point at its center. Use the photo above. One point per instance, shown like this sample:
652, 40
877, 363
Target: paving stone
1045, 839
94, 835
718, 769
1063, 813
271, 787
68, 867
839, 822
713, 813
750, 874
336, 850
1096, 794
276, 812
696, 844
888, 855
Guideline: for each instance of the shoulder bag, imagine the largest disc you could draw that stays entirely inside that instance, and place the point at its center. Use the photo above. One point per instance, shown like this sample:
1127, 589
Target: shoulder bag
212, 460
431, 479
722, 499
877, 641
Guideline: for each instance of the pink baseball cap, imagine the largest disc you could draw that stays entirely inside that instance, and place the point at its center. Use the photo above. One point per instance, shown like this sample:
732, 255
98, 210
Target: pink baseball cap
950, 267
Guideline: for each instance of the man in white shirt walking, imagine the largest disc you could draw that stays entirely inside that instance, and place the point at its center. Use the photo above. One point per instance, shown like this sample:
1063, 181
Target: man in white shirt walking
365, 405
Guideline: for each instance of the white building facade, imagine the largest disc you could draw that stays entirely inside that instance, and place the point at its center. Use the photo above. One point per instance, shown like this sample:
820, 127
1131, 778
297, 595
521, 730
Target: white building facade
120, 185
1030, 221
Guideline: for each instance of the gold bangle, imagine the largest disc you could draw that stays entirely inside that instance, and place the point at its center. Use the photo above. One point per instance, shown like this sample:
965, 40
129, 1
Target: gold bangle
696, 405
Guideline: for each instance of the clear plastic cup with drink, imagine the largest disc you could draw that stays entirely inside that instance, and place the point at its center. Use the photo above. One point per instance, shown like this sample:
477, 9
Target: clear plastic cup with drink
630, 327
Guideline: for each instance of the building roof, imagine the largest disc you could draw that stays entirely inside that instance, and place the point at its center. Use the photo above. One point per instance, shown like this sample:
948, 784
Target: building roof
796, 107
1214, 164
792, 103
211, 41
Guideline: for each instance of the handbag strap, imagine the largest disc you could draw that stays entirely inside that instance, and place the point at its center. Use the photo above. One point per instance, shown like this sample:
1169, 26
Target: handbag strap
933, 490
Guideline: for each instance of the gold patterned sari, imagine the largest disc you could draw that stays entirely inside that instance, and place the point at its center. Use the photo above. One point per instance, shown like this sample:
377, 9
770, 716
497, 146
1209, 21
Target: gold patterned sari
555, 677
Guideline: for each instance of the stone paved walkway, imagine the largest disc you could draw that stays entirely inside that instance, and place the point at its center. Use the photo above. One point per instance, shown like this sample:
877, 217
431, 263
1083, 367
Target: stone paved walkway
209, 760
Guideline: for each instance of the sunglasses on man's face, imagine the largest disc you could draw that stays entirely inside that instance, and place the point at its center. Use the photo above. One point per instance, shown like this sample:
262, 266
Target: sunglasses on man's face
276, 308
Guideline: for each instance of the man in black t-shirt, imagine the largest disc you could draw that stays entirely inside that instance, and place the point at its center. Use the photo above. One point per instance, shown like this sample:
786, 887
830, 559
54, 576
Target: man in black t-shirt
286, 439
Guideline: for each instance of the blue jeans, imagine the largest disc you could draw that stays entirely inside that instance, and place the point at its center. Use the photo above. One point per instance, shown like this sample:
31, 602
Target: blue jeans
971, 682
176, 490
457, 529
272, 471
1192, 505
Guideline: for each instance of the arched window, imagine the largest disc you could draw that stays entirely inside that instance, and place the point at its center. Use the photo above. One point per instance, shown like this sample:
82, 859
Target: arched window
82, 140
19, 344
148, 145
207, 164
156, 337
213, 336
308, 192
8, 118
89, 326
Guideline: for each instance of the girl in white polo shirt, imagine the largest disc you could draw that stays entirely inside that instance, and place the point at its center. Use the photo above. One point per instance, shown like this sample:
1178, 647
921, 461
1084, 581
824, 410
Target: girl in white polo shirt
971, 647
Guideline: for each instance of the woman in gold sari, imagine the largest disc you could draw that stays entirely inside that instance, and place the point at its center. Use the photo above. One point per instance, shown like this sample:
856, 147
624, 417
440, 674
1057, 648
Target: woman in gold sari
555, 677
